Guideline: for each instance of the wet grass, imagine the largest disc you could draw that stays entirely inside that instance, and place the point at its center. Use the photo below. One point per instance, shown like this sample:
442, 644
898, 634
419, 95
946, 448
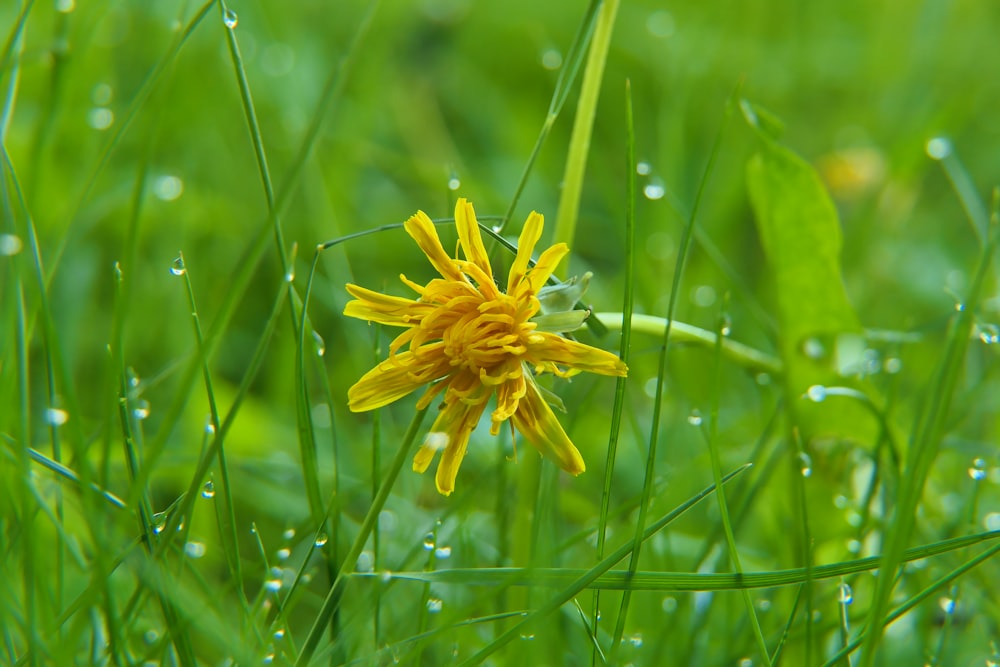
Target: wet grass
800, 468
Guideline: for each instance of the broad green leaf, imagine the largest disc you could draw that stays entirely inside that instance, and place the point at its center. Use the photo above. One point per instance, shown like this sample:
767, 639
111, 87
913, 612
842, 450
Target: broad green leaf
821, 338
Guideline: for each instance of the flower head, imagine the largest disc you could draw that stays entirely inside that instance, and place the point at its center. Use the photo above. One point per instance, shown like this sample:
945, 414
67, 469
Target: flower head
468, 340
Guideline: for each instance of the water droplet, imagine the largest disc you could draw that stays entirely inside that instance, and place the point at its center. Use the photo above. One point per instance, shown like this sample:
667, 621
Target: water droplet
695, 418
434, 605
168, 188
253, 528
844, 594
727, 327
660, 24
991, 521
385, 577
429, 541
436, 440
100, 118
177, 267
840, 501
65, 6
194, 549
454, 183
854, 546
892, 365
101, 94
635, 640
745, 662
551, 59
959, 307
319, 343
365, 561
703, 296
288, 534
273, 585
387, 521
978, 470
442, 552
56, 417
642, 168
527, 637
151, 636
938, 148
159, 522
816, 393
209, 426
279, 634
321, 540
230, 19
290, 276
947, 605
805, 464
141, 409
10, 245
669, 604
813, 348
283, 553
654, 190
268, 658
208, 491
763, 604
763, 379
497, 229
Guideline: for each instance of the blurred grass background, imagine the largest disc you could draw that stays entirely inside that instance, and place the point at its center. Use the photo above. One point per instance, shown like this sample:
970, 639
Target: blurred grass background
445, 98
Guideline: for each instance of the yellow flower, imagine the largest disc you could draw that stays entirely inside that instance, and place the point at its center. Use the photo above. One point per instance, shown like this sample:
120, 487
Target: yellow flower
471, 341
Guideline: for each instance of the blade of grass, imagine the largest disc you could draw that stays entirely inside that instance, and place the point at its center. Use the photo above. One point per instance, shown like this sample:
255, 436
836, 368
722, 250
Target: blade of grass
928, 431
623, 351
332, 601
654, 430
605, 578
564, 82
713, 449
586, 579
583, 126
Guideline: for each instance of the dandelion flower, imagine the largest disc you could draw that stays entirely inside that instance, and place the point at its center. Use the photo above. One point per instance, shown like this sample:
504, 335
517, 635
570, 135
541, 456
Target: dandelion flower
468, 340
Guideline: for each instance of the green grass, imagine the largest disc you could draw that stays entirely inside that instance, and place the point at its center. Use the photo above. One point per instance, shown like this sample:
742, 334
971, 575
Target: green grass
791, 200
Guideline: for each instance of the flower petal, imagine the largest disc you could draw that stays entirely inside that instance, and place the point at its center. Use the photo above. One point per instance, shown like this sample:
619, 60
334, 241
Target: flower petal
530, 234
385, 309
422, 230
536, 421
451, 430
471, 238
393, 379
553, 348
539, 274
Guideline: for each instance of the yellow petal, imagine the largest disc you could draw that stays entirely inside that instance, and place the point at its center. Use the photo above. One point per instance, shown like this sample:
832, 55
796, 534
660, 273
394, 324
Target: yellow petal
450, 432
384, 309
470, 236
538, 274
535, 420
422, 230
530, 234
391, 380
565, 352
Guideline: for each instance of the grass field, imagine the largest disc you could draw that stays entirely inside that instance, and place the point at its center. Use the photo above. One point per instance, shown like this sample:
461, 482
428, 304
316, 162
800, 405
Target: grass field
794, 201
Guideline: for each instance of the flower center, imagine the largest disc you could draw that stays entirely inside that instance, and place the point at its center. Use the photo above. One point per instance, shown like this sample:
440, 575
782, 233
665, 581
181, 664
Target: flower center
487, 334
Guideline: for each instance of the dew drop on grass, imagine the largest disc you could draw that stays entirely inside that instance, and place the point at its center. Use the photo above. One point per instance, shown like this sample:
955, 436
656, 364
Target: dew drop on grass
816, 393
56, 417
273, 585
938, 148
284, 553
654, 190
854, 546
669, 604
429, 541
442, 552
208, 491
695, 418
168, 188
642, 168
813, 348
177, 267
279, 634
365, 561
992, 521
288, 534
141, 409
387, 521
100, 118
269, 658
194, 549
454, 183
320, 344
805, 464
892, 365
844, 594
10, 245
321, 540
434, 605
947, 605
635, 640
230, 19
551, 59
527, 637
977, 471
